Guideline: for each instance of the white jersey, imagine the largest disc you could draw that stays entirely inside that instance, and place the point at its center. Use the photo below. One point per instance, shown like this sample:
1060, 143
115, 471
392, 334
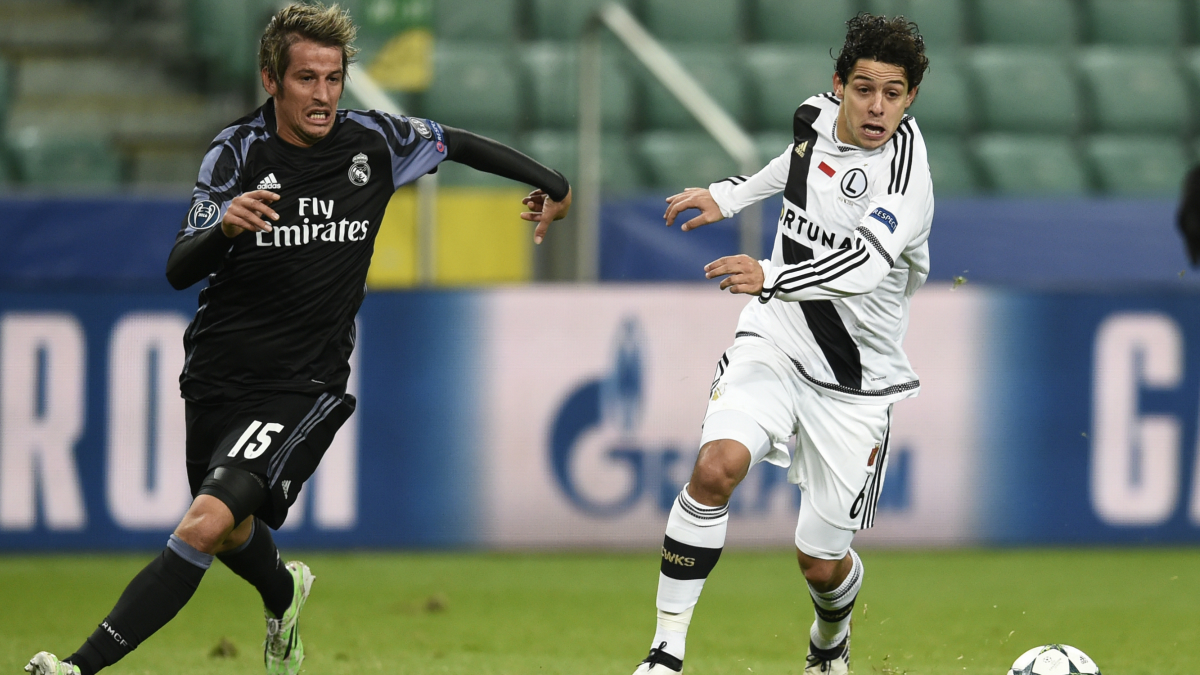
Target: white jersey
850, 250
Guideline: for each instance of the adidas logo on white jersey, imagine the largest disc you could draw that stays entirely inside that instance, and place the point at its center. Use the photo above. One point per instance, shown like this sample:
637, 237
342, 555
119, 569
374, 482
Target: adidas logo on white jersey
269, 183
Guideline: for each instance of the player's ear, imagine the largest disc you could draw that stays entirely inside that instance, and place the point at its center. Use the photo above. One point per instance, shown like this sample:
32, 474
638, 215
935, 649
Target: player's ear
838, 85
268, 82
912, 96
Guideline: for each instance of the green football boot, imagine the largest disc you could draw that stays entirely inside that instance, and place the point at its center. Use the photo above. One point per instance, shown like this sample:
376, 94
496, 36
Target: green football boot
45, 663
283, 652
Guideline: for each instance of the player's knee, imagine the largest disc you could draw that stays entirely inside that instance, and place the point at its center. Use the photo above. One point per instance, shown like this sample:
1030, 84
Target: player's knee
206, 525
823, 575
720, 467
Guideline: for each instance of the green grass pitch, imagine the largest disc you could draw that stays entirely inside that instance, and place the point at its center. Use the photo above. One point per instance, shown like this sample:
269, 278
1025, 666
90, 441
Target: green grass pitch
930, 613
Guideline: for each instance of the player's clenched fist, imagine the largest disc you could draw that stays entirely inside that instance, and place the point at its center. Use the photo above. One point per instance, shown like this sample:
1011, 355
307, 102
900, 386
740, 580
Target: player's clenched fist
742, 273
247, 212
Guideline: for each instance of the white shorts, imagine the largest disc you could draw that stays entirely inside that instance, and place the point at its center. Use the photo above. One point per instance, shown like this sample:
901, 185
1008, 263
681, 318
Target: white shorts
841, 447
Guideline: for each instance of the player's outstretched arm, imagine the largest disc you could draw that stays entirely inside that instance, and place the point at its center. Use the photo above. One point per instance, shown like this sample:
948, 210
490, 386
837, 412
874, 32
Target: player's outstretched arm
552, 198
693, 198
197, 254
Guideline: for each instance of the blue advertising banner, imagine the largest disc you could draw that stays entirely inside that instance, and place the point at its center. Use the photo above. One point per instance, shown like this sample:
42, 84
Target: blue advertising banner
92, 426
569, 416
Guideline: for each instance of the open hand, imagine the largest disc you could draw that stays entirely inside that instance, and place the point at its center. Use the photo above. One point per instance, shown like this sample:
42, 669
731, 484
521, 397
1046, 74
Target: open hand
693, 198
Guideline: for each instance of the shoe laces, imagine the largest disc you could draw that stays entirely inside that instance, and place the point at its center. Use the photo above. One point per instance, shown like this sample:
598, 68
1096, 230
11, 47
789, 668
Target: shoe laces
658, 656
275, 638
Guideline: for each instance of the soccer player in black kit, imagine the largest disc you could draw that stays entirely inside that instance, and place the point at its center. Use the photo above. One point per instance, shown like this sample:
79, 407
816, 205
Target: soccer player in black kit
282, 224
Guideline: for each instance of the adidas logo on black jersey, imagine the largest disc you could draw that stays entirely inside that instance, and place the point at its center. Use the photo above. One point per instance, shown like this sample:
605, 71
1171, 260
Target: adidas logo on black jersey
269, 183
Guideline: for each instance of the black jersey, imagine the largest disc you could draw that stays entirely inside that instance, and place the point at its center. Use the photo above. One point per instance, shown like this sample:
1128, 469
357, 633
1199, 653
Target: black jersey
278, 312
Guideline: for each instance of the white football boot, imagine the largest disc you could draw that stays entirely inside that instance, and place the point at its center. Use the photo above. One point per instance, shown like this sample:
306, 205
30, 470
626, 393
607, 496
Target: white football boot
833, 661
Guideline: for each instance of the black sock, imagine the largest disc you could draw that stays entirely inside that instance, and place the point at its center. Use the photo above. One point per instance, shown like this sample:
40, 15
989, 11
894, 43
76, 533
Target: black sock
257, 561
152, 599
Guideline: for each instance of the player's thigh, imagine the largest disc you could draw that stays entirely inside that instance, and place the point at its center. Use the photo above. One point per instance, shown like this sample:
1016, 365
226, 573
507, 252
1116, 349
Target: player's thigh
840, 458
205, 424
751, 401
281, 439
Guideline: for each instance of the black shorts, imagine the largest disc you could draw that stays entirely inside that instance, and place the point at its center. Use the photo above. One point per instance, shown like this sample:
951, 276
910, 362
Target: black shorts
279, 437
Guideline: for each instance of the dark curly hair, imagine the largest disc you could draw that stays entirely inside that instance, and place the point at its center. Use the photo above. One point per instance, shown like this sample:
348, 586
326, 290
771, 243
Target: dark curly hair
895, 41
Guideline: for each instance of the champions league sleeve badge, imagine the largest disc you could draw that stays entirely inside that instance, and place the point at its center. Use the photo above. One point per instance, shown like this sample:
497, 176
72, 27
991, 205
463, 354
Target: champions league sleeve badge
360, 171
203, 215
421, 128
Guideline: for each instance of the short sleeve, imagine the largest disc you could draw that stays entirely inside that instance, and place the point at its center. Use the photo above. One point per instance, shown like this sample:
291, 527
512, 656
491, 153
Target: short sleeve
417, 145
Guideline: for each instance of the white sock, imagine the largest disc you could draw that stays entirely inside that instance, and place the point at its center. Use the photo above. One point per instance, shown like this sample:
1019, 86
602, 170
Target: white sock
694, 539
833, 609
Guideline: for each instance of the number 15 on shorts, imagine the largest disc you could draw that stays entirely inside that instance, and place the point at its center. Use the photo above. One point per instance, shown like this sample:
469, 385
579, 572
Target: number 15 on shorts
254, 450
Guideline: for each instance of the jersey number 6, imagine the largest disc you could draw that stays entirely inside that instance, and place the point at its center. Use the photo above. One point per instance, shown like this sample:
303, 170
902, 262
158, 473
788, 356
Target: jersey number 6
264, 439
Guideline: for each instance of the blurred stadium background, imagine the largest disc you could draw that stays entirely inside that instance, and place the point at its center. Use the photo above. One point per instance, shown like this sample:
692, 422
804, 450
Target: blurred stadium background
516, 398
507, 404
549, 398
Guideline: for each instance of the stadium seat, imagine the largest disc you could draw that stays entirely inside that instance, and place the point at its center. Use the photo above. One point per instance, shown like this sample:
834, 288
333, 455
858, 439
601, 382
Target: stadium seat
66, 163
1030, 164
715, 68
561, 19
701, 21
7, 175
472, 20
941, 22
1157, 23
950, 166
781, 78
1134, 90
1023, 89
818, 22
552, 79
680, 159
5, 90
1027, 22
943, 103
474, 86
1138, 165
771, 144
560, 150
233, 47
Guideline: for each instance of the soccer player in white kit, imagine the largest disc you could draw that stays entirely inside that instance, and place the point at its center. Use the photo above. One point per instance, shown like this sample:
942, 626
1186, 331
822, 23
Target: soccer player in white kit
817, 353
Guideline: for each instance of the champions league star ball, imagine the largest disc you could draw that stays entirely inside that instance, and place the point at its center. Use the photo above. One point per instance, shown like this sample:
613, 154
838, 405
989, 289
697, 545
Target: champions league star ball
1053, 660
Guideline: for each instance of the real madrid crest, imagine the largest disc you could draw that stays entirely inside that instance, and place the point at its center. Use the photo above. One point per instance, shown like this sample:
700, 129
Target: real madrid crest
360, 171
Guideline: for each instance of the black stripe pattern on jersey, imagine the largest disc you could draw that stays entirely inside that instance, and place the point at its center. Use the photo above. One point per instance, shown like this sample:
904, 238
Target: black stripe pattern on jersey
805, 138
870, 237
838, 347
902, 157
888, 391
816, 272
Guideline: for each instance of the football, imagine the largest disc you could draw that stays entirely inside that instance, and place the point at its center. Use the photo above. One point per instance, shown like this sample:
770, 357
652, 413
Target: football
1053, 660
